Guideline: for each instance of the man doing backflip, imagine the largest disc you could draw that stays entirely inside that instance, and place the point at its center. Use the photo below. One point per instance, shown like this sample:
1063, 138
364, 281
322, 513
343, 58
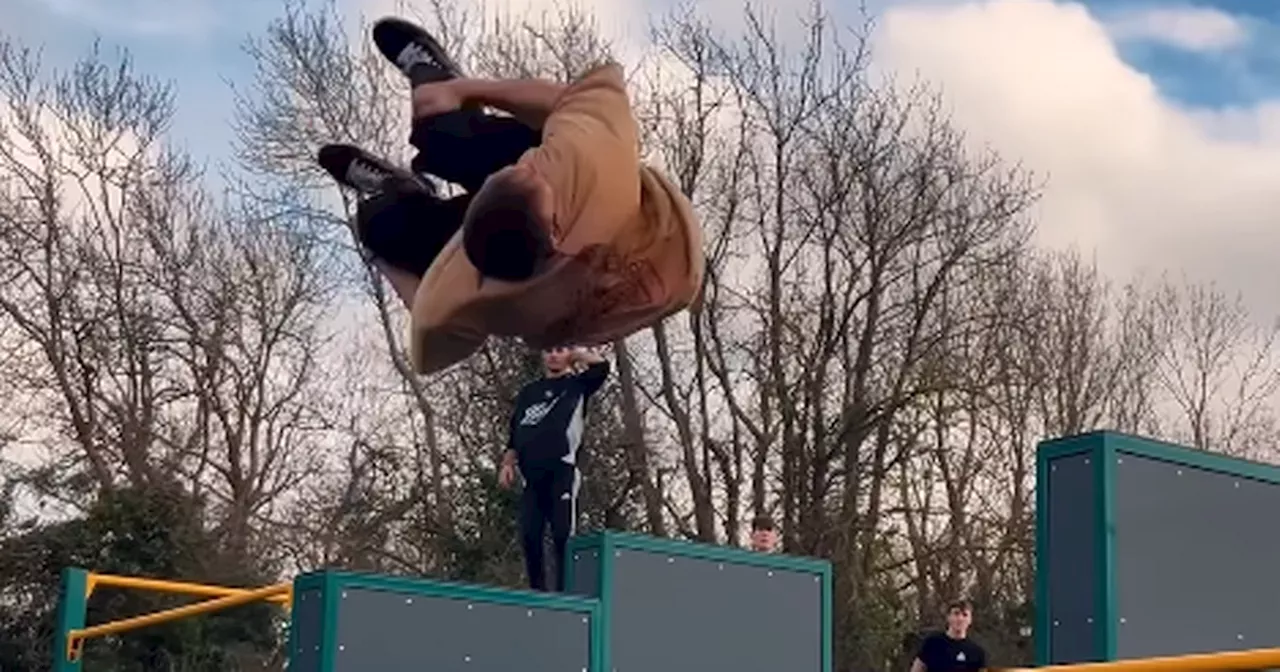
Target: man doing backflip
561, 237
543, 441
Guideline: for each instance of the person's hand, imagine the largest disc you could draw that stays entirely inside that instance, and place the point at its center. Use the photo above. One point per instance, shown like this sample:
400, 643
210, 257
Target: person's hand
587, 356
506, 475
436, 98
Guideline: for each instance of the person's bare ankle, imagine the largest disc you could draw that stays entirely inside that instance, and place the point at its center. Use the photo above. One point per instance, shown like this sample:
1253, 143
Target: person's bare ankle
431, 99
430, 87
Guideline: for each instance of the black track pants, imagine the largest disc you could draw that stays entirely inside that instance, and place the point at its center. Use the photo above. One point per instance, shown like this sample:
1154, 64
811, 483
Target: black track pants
550, 498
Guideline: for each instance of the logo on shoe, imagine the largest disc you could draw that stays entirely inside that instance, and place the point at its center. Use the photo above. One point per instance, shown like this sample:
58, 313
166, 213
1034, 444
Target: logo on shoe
365, 175
412, 55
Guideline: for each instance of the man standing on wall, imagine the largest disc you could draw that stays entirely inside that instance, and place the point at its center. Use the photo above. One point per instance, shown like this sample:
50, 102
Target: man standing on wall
952, 650
545, 434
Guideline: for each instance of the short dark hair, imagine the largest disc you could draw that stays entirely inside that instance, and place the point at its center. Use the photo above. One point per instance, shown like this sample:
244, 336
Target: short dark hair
960, 604
508, 205
763, 522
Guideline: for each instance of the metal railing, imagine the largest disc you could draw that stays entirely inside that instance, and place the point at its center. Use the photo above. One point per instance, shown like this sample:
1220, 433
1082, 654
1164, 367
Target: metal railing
78, 585
1226, 661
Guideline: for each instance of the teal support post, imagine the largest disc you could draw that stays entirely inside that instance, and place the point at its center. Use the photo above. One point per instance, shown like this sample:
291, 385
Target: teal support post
72, 603
1125, 521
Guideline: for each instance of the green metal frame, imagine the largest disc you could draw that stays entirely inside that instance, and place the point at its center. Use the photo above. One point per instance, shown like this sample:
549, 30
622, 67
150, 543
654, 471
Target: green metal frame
606, 542
1106, 447
72, 603
602, 544
329, 585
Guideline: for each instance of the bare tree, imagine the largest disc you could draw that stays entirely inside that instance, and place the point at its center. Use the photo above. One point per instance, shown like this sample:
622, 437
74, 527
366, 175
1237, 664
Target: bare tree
841, 215
1218, 367
172, 336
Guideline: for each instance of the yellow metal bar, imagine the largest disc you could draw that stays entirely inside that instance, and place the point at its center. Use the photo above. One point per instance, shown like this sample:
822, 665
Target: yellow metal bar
217, 604
1229, 661
180, 587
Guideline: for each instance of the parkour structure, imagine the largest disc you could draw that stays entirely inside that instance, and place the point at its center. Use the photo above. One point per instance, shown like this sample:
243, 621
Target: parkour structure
1148, 557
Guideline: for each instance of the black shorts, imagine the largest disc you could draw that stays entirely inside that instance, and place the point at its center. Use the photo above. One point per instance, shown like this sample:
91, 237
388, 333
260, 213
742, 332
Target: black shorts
465, 148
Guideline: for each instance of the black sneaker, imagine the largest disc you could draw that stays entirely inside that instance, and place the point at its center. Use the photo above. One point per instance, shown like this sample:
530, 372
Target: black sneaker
414, 51
368, 174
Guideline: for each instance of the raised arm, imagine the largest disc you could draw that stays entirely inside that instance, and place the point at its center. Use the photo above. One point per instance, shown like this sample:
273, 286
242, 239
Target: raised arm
587, 356
598, 98
596, 372
529, 100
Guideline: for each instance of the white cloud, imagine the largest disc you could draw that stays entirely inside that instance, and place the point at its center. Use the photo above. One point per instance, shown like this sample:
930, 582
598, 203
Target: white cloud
1145, 183
1189, 28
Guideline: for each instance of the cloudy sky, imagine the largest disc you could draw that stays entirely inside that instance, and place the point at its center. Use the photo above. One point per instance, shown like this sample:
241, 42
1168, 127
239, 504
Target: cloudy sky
1156, 124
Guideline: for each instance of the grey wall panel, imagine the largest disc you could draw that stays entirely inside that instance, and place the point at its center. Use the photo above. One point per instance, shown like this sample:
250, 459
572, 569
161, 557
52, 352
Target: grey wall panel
306, 623
380, 630
681, 614
1072, 556
1196, 560
585, 579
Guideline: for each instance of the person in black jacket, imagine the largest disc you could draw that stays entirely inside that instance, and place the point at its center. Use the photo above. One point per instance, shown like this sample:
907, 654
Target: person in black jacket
952, 650
543, 441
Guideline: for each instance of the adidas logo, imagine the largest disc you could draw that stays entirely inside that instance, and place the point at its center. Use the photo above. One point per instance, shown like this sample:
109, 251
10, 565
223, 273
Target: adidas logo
364, 174
412, 55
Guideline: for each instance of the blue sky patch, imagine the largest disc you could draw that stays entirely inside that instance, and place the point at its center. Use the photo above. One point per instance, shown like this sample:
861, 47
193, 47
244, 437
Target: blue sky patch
198, 49
1228, 75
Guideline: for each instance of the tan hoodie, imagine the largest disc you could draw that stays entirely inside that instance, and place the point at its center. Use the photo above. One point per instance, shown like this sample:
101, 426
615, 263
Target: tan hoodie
629, 247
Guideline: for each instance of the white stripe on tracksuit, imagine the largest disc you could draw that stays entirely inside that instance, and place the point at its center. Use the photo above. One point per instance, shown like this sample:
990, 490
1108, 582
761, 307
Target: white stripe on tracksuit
573, 437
